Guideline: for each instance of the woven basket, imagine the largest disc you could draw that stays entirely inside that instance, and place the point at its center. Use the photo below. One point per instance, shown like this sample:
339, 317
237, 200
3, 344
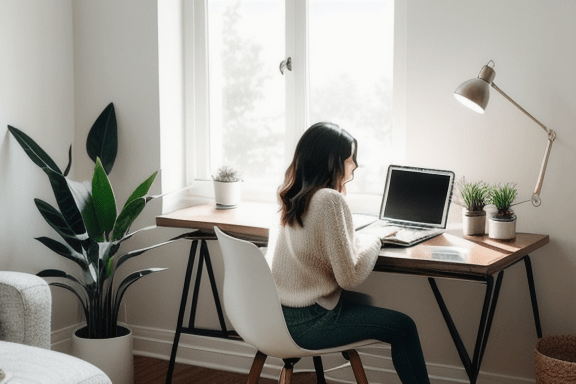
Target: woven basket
555, 359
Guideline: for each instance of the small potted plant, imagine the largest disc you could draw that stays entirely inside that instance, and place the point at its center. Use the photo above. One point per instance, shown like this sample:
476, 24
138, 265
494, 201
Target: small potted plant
502, 225
475, 197
227, 187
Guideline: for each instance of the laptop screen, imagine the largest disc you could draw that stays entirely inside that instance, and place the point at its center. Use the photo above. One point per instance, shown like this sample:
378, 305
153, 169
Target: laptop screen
417, 197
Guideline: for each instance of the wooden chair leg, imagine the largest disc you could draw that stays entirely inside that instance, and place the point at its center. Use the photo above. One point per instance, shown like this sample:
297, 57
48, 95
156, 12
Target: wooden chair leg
256, 369
286, 374
320, 379
357, 367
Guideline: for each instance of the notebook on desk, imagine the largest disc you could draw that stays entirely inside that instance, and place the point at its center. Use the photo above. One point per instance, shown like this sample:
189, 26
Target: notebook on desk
414, 208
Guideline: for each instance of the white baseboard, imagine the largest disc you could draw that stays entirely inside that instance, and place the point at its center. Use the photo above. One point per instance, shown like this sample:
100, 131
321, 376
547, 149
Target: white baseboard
235, 356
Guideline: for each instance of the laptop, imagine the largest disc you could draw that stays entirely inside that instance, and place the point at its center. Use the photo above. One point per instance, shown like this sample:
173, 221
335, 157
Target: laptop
414, 208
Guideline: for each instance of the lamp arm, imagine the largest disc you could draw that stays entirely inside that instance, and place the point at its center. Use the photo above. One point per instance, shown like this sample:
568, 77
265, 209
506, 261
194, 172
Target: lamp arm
551, 137
536, 195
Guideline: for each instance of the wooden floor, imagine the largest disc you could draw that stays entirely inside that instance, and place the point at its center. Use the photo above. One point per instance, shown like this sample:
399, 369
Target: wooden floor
148, 370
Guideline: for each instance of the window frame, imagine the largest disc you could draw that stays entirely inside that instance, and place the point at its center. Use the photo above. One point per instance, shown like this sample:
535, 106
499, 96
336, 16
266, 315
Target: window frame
197, 109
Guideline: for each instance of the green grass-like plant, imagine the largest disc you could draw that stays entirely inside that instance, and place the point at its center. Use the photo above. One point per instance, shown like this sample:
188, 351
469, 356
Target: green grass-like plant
474, 194
502, 196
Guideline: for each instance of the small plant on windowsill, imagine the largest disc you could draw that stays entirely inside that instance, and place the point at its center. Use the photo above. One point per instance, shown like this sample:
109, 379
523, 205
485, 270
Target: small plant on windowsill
226, 174
227, 182
503, 224
475, 197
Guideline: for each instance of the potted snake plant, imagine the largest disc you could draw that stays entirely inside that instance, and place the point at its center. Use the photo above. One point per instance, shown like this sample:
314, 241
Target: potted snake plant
92, 229
502, 225
475, 197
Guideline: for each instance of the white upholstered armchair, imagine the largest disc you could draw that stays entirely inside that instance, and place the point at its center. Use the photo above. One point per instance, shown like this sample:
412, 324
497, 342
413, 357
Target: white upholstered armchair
25, 356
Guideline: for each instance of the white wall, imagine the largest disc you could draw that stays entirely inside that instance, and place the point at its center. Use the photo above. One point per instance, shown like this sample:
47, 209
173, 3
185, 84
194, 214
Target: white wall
532, 44
116, 59
36, 96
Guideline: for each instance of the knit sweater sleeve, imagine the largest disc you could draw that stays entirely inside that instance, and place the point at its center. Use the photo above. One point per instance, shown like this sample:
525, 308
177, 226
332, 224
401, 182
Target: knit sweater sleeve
351, 255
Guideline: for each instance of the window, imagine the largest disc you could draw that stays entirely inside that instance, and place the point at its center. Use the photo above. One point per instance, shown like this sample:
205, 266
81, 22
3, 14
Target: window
242, 111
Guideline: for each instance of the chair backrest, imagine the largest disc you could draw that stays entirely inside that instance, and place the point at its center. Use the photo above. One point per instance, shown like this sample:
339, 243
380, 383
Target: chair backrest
251, 299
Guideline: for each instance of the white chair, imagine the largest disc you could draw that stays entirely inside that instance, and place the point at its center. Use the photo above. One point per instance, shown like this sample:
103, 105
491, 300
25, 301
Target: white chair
253, 307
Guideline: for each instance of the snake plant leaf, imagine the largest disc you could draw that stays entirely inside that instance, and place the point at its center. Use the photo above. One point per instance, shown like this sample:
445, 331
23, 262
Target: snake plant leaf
63, 250
142, 189
66, 203
63, 275
103, 199
69, 288
122, 259
93, 252
67, 170
131, 234
59, 224
129, 213
82, 193
60, 274
102, 141
33, 150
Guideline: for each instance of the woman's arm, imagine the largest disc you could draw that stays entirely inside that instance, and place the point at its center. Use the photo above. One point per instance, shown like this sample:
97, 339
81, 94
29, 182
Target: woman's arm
351, 255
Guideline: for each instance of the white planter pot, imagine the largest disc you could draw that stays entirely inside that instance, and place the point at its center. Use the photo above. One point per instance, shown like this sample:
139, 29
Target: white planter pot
227, 194
502, 229
473, 222
113, 356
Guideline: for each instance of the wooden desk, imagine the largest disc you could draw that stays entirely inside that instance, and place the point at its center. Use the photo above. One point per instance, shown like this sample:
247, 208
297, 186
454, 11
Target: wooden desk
472, 258
248, 220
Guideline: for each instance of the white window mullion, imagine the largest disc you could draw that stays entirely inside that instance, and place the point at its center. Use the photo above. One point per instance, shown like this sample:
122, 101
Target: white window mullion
197, 91
297, 80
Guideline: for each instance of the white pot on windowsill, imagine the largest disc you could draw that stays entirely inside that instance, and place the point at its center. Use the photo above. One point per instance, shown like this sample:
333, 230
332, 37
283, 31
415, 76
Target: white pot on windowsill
227, 193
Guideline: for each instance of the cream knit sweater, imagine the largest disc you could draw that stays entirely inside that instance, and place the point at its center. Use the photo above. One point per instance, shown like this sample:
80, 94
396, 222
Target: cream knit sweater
312, 264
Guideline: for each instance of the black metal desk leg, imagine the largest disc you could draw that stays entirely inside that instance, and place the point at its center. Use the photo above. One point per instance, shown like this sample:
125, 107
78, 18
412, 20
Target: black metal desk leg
451, 328
204, 250
196, 291
472, 367
532, 288
183, 300
479, 352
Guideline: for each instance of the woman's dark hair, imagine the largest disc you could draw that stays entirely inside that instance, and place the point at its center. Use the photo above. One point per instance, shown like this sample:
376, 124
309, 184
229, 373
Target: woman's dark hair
318, 163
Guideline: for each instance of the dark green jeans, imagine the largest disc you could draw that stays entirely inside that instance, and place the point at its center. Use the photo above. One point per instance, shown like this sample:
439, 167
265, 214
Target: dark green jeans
315, 327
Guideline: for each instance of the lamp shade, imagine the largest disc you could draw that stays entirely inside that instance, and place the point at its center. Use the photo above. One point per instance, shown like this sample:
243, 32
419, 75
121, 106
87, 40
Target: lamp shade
475, 93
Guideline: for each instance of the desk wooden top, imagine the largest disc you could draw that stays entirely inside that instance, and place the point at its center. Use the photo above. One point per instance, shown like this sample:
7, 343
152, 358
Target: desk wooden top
452, 256
249, 219
446, 255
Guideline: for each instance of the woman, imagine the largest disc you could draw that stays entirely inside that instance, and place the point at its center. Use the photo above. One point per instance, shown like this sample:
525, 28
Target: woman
315, 254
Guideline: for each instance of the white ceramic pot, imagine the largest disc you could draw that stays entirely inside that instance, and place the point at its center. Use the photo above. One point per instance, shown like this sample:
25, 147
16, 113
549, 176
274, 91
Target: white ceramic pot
473, 222
502, 229
114, 356
227, 194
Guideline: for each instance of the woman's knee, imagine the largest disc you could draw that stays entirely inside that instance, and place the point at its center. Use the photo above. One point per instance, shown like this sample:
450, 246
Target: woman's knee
409, 325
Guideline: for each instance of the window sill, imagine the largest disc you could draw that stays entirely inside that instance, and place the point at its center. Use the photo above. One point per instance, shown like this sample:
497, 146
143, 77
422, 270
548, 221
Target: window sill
202, 192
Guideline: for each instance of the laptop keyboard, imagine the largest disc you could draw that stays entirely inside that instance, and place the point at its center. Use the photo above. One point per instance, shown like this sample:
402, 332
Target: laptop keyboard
399, 235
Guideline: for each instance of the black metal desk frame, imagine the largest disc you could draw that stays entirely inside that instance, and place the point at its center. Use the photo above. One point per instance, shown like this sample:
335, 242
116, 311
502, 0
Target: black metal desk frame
191, 329
472, 366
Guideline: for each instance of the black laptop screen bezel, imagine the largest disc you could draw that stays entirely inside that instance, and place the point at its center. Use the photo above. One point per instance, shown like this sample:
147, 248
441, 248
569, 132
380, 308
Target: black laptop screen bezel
411, 223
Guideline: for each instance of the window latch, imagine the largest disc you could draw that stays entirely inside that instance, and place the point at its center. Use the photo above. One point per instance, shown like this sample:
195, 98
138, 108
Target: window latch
286, 64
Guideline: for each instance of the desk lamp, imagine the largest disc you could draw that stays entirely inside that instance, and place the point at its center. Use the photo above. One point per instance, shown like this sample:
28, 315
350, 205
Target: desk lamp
475, 94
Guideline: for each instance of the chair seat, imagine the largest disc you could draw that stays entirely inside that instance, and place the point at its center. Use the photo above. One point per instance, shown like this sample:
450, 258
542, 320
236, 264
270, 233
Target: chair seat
301, 352
32, 365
